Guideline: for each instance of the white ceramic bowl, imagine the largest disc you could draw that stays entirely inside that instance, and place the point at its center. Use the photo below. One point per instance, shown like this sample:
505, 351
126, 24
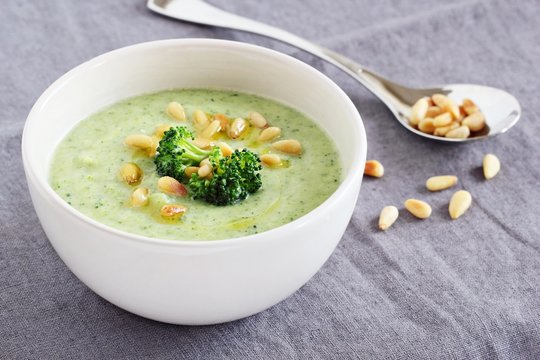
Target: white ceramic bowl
198, 282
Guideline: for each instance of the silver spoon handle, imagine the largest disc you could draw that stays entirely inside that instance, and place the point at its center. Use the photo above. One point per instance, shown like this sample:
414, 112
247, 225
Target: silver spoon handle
371, 81
231, 21
210, 15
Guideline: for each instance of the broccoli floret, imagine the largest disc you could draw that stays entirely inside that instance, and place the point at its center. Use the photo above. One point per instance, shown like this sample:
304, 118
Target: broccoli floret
175, 152
234, 178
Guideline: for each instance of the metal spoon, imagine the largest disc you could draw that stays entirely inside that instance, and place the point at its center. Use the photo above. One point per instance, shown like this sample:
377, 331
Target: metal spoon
501, 109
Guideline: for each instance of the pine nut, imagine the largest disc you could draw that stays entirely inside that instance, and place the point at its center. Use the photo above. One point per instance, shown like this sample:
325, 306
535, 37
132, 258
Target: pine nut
459, 203
475, 121
139, 141
444, 119
418, 208
200, 120
291, 146
491, 166
226, 150
470, 107
204, 170
211, 130
433, 111
224, 121
176, 111
418, 111
374, 168
462, 112
257, 120
172, 211
389, 215
461, 132
139, 197
446, 104
151, 151
131, 173
205, 161
161, 130
426, 126
270, 160
190, 170
202, 143
437, 183
441, 131
237, 127
269, 134
171, 186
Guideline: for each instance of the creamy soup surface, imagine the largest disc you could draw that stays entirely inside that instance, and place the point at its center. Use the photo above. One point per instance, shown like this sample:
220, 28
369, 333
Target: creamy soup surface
85, 168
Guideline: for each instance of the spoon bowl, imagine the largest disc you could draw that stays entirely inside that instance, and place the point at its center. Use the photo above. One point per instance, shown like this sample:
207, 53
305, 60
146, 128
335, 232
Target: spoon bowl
501, 109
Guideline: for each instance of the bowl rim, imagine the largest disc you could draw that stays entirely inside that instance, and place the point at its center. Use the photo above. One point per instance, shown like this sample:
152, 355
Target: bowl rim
42, 185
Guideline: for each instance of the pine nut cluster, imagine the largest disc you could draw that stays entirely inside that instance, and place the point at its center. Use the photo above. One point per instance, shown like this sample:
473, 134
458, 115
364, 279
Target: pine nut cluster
459, 203
211, 130
440, 116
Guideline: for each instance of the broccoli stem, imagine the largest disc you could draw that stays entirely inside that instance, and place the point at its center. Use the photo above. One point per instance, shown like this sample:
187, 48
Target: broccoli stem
193, 152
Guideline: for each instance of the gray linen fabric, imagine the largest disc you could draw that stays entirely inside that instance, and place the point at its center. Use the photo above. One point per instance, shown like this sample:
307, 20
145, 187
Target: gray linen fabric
465, 289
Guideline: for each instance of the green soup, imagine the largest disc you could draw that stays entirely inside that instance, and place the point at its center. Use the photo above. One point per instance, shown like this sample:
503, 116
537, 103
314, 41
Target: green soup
85, 168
